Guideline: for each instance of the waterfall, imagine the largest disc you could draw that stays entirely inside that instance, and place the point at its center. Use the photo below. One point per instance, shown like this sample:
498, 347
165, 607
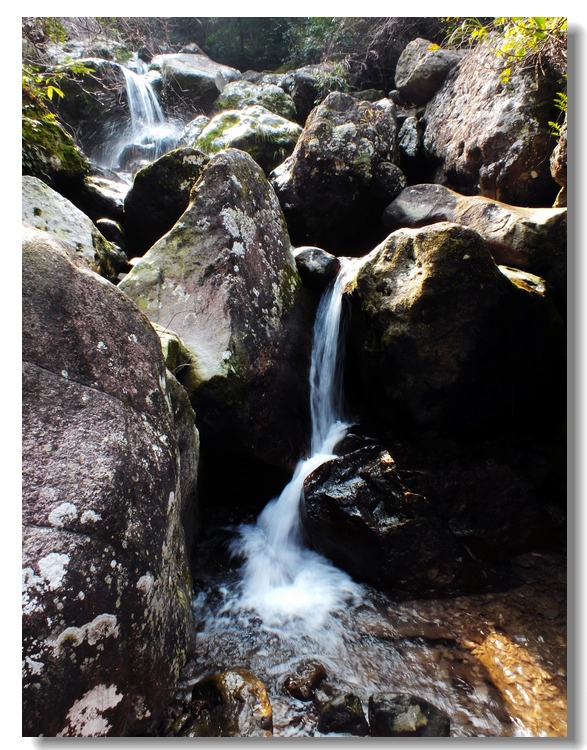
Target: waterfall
282, 579
149, 134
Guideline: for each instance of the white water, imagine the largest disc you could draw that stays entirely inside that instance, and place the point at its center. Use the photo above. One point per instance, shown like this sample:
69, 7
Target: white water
283, 580
148, 126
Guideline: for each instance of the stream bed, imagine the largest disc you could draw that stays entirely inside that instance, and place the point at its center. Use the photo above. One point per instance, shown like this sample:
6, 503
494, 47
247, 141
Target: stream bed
495, 663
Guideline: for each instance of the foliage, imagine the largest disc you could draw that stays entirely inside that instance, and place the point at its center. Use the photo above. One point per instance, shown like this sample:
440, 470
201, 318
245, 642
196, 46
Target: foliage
560, 103
522, 42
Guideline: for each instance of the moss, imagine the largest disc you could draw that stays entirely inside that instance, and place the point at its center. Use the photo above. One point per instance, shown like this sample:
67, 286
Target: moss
48, 152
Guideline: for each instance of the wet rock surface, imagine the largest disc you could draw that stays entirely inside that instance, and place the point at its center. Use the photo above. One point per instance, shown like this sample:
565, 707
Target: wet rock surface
430, 648
401, 715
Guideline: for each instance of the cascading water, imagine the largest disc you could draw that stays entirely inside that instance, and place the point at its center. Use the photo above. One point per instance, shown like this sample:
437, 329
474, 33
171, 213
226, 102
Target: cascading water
288, 604
282, 579
148, 134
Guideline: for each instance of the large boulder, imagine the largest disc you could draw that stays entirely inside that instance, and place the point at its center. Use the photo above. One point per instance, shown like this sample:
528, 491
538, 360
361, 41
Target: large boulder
224, 279
531, 239
160, 193
422, 68
266, 136
43, 208
358, 513
492, 139
110, 453
242, 94
344, 165
192, 80
442, 340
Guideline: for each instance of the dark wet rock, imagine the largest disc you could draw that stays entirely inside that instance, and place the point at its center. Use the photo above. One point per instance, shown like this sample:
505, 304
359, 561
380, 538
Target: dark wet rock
422, 69
442, 341
243, 94
343, 714
317, 267
45, 209
402, 715
100, 197
231, 704
343, 165
531, 239
369, 95
113, 232
490, 139
358, 513
110, 453
224, 279
160, 193
305, 678
266, 136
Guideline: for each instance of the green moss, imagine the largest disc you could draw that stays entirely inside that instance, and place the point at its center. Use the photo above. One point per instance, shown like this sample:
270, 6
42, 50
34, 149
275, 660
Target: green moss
48, 152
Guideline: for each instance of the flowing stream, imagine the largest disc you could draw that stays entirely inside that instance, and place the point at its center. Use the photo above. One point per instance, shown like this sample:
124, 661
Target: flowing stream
287, 604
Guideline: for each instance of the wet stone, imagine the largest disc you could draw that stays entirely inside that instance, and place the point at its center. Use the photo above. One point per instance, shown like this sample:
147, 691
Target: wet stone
306, 676
403, 715
343, 715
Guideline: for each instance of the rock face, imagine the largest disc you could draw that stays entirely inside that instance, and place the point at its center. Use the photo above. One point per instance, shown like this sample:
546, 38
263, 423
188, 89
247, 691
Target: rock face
558, 165
243, 94
224, 279
43, 208
422, 69
489, 139
48, 152
110, 457
344, 164
192, 78
160, 193
441, 340
266, 136
531, 239
358, 513
402, 715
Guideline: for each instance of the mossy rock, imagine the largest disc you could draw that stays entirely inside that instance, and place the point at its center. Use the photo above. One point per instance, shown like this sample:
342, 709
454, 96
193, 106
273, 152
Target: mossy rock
265, 136
243, 94
48, 152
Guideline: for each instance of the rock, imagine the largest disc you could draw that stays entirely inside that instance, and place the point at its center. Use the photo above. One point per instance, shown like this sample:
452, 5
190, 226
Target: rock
110, 452
422, 69
100, 198
343, 714
441, 341
224, 279
531, 239
490, 139
191, 79
95, 107
403, 715
267, 137
43, 208
231, 704
409, 138
244, 94
306, 676
369, 95
558, 165
48, 152
113, 232
160, 193
357, 513
317, 267
191, 131
333, 184
307, 86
